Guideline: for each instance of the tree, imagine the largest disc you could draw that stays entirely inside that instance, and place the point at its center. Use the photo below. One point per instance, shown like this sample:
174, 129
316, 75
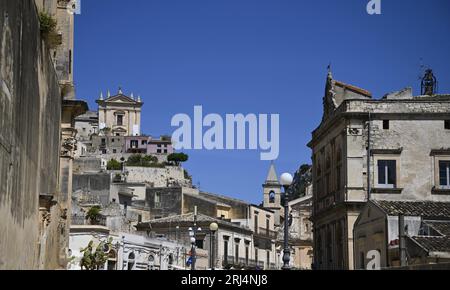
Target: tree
177, 158
113, 164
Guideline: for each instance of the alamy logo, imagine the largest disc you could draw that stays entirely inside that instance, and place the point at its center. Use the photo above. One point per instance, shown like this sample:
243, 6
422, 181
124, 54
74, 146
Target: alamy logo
374, 7
234, 129
374, 260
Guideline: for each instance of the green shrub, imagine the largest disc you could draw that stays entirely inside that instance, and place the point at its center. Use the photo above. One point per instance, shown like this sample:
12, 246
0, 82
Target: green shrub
144, 161
48, 30
113, 164
93, 213
177, 158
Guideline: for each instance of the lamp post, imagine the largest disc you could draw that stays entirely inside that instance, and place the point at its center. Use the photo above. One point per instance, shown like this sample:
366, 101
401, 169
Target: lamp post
286, 181
213, 228
192, 253
192, 234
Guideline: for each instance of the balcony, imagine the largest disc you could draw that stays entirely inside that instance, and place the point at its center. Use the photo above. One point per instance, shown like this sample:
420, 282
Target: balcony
241, 263
265, 233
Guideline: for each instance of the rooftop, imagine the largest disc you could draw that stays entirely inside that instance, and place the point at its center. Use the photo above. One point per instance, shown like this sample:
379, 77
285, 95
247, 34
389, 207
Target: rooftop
433, 244
426, 209
189, 218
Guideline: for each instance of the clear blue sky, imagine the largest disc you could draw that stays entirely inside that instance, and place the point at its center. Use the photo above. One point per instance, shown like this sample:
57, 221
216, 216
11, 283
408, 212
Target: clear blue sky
253, 56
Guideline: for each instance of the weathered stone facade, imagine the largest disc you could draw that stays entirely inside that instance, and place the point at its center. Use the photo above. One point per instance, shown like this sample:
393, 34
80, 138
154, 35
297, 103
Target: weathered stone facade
406, 132
120, 114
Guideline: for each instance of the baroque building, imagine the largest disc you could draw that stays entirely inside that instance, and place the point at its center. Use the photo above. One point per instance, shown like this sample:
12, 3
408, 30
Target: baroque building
391, 148
120, 114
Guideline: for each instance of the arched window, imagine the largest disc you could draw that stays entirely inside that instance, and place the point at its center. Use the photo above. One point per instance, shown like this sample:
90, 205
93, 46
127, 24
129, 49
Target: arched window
151, 262
272, 196
112, 260
338, 169
130, 263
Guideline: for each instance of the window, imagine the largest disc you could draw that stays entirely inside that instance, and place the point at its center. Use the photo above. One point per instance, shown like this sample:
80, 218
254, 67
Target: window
256, 223
272, 196
387, 173
119, 120
329, 248
319, 250
338, 177
246, 252
157, 200
199, 243
225, 249
236, 249
338, 168
112, 260
386, 124
151, 262
114, 151
134, 144
256, 255
112, 140
447, 124
70, 61
158, 151
144, 142
130, 261
267, 226
268, 259
165, 151
444, 173
103, 142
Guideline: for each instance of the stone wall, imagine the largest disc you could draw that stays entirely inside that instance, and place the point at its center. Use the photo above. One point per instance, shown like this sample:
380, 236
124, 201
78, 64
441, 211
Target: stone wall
170, 201
158, 177
94, 186
88, 164
30, 110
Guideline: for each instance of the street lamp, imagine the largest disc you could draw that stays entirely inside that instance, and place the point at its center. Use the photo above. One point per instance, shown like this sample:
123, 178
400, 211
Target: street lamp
286, 181
213, 228
192, 234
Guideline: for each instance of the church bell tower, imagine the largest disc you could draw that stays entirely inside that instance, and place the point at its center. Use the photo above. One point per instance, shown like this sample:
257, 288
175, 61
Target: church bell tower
272, 193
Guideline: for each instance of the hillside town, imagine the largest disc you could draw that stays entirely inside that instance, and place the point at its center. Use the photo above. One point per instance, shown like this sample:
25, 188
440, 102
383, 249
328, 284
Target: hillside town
83, 188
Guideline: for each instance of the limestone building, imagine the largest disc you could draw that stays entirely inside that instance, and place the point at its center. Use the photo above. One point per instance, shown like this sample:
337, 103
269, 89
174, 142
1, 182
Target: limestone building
392, 148
36, 177
120, 114
300, 232
426, 234
130, 251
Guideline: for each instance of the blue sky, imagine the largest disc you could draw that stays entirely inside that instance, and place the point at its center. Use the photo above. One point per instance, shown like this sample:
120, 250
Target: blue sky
253, 56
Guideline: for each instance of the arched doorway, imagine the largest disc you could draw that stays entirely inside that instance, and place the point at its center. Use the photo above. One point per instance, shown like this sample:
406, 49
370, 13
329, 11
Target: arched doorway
112, 260
130, 262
